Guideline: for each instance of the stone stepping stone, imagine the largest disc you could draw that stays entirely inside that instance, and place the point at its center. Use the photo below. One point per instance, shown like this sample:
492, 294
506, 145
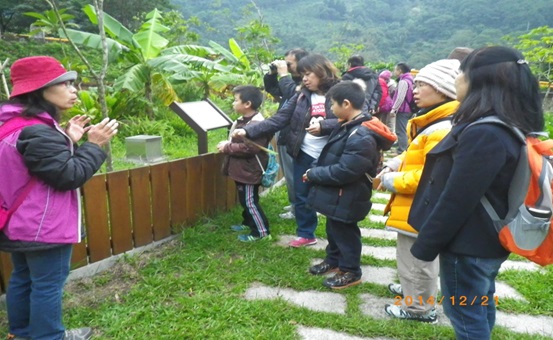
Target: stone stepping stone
378, 207
381, 195
327, 302
519, 265
311, 333
377, 218
522, 323
378, 233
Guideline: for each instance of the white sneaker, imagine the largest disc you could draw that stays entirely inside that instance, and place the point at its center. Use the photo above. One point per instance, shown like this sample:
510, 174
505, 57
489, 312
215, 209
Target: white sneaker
287, 215
288, 208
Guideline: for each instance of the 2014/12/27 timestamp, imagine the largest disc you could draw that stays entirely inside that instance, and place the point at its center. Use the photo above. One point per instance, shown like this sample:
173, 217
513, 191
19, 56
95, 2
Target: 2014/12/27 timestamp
461, 300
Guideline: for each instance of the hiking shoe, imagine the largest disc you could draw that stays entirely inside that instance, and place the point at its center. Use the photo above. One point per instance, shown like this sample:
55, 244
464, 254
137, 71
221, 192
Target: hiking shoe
395, 288
322, 268
251, 238
239, 227
287, 215
398, 313
302, 242
78, 334
342, 280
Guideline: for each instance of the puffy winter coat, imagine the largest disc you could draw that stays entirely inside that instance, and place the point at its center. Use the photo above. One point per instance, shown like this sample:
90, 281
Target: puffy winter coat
296, 113
240, 162
424, 132
51, 213
340, 189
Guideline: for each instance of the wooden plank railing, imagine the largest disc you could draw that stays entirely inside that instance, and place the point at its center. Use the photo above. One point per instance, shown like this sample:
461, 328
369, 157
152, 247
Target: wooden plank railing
127, 209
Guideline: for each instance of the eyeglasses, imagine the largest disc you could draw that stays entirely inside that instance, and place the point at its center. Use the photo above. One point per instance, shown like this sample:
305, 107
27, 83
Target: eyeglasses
67, 83
420, 84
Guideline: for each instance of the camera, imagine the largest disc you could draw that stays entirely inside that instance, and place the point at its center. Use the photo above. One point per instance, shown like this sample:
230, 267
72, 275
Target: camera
273, 68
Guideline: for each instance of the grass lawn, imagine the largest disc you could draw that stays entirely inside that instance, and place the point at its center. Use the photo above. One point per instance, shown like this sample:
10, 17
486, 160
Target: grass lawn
193, 288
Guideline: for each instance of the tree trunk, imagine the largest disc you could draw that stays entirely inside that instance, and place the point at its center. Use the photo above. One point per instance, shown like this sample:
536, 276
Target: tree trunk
148, 95
99, 6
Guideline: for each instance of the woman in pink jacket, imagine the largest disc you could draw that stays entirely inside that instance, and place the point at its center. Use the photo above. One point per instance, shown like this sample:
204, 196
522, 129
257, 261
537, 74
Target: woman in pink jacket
42, 165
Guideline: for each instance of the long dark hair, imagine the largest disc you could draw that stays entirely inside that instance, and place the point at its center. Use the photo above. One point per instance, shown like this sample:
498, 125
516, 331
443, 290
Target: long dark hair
500, 82
322, 67
34, 103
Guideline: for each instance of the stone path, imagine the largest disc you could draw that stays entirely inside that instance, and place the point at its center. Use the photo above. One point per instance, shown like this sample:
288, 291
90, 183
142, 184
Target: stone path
372, 306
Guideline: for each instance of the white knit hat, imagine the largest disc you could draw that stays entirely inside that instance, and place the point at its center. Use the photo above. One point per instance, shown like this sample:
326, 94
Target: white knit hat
441, 75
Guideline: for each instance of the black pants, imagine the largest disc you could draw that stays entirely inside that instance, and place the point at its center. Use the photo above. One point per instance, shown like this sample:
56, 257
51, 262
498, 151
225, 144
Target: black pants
252, 215
344, 245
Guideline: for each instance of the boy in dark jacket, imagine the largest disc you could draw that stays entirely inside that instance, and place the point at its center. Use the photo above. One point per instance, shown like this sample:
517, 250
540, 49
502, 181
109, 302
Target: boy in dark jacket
243, 164
340, 188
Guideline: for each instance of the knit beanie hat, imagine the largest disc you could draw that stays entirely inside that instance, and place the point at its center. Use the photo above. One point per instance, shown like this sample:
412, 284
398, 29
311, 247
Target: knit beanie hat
386, 75
33, 73
441, 75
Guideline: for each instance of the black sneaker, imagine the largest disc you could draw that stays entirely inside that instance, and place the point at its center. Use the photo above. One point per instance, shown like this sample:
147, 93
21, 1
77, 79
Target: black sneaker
78, 334
322, 268
399, 313
342, 280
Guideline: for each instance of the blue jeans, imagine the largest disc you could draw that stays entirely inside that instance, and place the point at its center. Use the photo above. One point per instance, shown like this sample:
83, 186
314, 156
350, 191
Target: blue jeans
344, 246
468, 287
306, 218
287, 165
35, 289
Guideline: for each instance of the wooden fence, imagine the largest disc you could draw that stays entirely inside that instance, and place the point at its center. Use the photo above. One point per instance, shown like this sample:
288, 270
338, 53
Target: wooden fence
132, 208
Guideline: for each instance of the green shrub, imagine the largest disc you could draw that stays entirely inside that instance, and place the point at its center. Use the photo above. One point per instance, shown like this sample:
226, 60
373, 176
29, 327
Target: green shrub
132, 126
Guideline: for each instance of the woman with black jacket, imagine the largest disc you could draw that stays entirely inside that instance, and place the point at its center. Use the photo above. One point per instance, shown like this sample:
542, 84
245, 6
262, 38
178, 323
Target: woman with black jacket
472, 162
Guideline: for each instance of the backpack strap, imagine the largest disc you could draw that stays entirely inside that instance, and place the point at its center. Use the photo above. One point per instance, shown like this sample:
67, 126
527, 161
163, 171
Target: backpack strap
261, 166
9, 127
495, 120
519, 176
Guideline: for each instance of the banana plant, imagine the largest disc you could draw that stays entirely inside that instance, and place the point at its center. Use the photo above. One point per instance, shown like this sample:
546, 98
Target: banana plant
151, 68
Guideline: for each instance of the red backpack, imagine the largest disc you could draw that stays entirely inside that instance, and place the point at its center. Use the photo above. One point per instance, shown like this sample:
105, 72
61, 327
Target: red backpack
386, 102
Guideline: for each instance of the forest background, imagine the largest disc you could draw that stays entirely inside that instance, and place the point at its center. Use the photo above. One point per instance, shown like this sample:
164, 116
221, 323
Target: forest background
186, 50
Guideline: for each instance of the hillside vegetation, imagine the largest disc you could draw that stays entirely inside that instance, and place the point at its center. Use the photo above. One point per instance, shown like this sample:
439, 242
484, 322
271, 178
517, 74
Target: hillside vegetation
416, 31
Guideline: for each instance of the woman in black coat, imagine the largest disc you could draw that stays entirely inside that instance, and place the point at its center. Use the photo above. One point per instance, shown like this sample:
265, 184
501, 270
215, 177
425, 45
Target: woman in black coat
471, 162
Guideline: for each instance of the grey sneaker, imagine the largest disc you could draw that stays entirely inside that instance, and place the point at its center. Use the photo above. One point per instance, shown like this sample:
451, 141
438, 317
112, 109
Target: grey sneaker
78, 334
395, 288
398, 313
287, 215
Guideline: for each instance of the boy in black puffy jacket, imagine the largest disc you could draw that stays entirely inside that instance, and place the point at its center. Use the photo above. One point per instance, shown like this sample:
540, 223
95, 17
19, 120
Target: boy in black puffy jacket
341, 189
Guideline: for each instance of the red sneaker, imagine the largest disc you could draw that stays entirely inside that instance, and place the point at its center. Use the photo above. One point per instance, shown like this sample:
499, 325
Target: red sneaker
302, 242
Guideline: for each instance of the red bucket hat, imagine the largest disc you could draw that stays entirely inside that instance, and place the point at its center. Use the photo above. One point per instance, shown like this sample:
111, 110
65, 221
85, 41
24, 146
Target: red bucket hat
33, 73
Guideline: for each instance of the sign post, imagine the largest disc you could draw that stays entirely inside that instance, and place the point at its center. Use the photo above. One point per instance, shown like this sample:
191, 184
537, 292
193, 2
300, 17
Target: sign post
202, 116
